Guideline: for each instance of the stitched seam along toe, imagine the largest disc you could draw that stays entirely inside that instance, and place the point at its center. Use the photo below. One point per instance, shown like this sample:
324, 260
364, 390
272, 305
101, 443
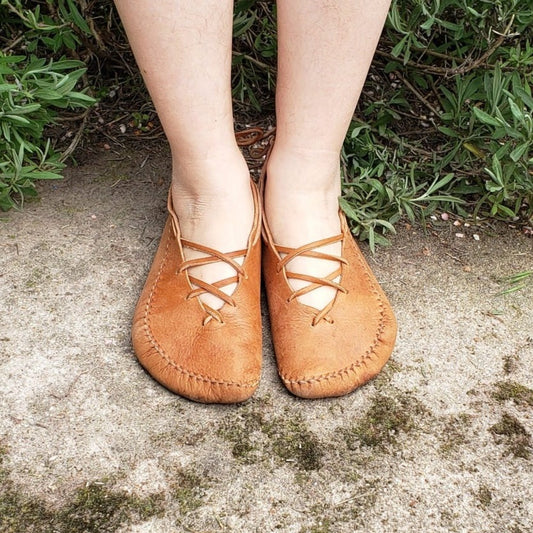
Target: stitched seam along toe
367, 354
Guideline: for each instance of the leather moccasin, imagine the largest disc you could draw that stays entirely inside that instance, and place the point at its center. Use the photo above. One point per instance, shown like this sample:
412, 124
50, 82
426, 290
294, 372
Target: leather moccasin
207, 355
332, 351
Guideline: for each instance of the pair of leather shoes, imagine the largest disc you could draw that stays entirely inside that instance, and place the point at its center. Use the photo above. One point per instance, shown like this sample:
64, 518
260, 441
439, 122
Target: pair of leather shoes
214, 356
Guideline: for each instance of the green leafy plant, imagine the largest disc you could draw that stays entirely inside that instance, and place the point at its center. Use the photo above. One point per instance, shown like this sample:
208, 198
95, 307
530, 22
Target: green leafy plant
444, 121
254, 54
32, 91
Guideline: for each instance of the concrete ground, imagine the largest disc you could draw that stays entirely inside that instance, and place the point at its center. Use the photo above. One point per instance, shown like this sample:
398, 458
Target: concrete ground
439, 442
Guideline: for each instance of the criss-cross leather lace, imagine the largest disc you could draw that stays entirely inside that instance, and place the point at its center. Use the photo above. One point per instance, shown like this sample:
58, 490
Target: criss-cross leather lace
203, 287
308, 250
246, 138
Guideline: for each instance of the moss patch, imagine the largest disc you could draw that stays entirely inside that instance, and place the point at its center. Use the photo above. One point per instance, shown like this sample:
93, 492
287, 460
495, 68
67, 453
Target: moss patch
511, 432
19, 514
98, 508
188, 490
510, 362
484, 495
455, 432
384, 378
385, 419
3, 471
244, 433
322, 526
93, 508
256, 438
510, 390
292, 442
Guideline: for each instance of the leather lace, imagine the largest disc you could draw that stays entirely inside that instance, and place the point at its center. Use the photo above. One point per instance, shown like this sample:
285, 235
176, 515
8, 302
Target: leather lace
308, 250
251, 139
203, 287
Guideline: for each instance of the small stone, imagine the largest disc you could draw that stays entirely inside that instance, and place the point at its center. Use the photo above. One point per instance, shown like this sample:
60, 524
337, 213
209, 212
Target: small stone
457, 223
460, 235
476, 237
444, 216
467, 268
122, 128
107, 147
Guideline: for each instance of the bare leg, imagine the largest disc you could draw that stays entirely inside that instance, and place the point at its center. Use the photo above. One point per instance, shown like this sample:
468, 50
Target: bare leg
184, 52
325, 50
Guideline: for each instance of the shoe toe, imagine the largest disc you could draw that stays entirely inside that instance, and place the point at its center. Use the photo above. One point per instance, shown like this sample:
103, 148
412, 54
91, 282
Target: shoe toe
202, 369
333, 363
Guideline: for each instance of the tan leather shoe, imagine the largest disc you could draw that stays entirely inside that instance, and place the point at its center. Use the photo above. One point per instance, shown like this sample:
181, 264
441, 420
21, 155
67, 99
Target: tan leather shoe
332, 351
207, 355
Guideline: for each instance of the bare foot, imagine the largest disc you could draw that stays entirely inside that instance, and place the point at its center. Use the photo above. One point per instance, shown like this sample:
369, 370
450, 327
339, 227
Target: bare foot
301, 206
213, 201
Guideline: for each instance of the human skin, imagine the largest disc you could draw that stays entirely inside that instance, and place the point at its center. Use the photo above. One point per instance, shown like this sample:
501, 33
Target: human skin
184, 52
325, 48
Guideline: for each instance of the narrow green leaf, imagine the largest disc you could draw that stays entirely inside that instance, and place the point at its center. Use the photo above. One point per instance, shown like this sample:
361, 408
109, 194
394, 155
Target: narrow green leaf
518, 152
486, 118
43, 175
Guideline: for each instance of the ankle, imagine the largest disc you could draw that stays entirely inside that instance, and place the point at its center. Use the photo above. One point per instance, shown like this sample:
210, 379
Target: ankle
301, 171
301, 202
217, 173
